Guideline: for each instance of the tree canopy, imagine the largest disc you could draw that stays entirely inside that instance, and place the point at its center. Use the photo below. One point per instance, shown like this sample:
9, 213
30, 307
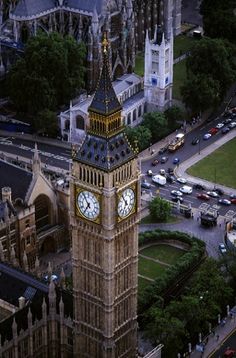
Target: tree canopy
49, 74
139, 135
211, 69
219, 19
159, 209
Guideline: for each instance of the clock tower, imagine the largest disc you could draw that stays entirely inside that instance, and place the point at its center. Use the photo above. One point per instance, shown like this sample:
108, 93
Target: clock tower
105, 203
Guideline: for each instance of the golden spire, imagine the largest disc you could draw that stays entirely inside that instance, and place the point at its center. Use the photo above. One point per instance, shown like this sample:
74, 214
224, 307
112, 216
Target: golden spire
105, 42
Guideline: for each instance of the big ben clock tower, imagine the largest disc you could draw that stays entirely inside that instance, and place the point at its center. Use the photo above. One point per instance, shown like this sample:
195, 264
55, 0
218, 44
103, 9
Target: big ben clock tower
105, 201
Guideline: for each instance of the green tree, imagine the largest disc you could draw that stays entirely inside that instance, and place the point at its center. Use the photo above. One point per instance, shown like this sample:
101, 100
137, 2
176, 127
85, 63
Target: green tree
211, 69
46, 122
159, 209
174, 114
219, 19
139, 135
50, 73
167, 329
200, 92
156, 122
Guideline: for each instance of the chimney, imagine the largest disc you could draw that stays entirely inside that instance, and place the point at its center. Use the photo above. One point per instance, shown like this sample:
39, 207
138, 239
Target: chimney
6, 194
21, 301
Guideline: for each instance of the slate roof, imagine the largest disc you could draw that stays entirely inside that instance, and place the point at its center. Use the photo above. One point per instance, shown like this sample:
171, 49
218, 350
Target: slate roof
105, 101
16, 178
105, 154
28, 8
15, 283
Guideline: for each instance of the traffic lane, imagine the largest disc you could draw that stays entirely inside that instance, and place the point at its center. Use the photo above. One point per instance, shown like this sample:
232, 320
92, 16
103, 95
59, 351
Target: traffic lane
62, 163
51, 148
165, 192
230, 342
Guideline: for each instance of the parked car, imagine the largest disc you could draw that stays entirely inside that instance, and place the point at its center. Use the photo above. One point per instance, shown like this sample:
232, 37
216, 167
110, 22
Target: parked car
181, 180
219, 125
176, 193
149, 173
213, 131
176, 160
164, 160
186, 189
195, 140
199, 187
177, 198
213, 194
232, 196
170, 179
224, 201
222, 248
219, 191
145, 184
203, 196
207, 136
155, 162
225, 130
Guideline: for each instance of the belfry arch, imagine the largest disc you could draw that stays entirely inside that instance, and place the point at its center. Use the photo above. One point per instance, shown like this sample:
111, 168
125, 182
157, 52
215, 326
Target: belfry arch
43, 212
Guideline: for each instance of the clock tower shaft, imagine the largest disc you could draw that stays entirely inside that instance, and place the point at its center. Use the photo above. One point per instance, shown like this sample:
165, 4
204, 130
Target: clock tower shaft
105, 171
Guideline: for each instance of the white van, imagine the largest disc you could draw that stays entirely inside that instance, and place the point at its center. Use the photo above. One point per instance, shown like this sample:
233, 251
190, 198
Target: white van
159, 179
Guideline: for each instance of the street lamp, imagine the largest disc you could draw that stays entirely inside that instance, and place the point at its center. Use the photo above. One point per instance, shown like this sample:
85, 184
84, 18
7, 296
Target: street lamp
199, 146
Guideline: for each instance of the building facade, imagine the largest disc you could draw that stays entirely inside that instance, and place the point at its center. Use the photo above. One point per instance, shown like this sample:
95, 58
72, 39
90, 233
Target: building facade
129, 91
158, 74
105, 201
34, 215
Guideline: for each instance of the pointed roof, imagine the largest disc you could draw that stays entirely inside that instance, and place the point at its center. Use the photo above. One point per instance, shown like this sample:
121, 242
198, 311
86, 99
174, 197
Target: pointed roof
105, 101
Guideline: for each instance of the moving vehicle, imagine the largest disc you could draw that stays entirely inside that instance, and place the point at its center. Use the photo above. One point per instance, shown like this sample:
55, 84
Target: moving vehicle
159, 179
213, 131
219, 191
162, 172
207, 136
149, 173
181, 180
233, 201
164, 160
195, 140
232, 125
177, 142
145, 184
213, 194
170, 179
177, 198
170, 171
219, 125
229, 353
199, 187
222, 248
186, 189
155, 162
176, 160
176, 193
225, 130
163, 150
203, 196
224, 202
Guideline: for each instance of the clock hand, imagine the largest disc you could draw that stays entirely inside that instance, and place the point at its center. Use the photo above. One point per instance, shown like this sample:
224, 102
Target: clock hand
124, 200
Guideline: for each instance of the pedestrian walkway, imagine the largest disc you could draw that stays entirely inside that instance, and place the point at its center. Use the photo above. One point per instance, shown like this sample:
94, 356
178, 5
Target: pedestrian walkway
216, 338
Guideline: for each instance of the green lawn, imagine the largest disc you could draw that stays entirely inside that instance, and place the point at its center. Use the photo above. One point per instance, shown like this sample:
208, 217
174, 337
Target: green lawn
165, 253
219, 167
179, 78
182, 44
139, 64
142, 283
149, 268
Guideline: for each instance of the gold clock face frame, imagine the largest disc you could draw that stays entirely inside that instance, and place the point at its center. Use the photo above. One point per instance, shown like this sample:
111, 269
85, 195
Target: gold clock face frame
87, 205
126, 203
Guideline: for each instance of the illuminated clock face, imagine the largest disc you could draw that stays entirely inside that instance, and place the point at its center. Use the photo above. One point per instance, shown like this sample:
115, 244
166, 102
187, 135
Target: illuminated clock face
88, 205
126, 203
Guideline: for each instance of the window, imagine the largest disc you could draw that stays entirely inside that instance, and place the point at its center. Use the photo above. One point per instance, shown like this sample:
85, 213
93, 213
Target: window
80, 122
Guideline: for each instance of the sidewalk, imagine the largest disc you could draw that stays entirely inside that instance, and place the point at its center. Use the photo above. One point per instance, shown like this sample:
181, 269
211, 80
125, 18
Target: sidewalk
216, 338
